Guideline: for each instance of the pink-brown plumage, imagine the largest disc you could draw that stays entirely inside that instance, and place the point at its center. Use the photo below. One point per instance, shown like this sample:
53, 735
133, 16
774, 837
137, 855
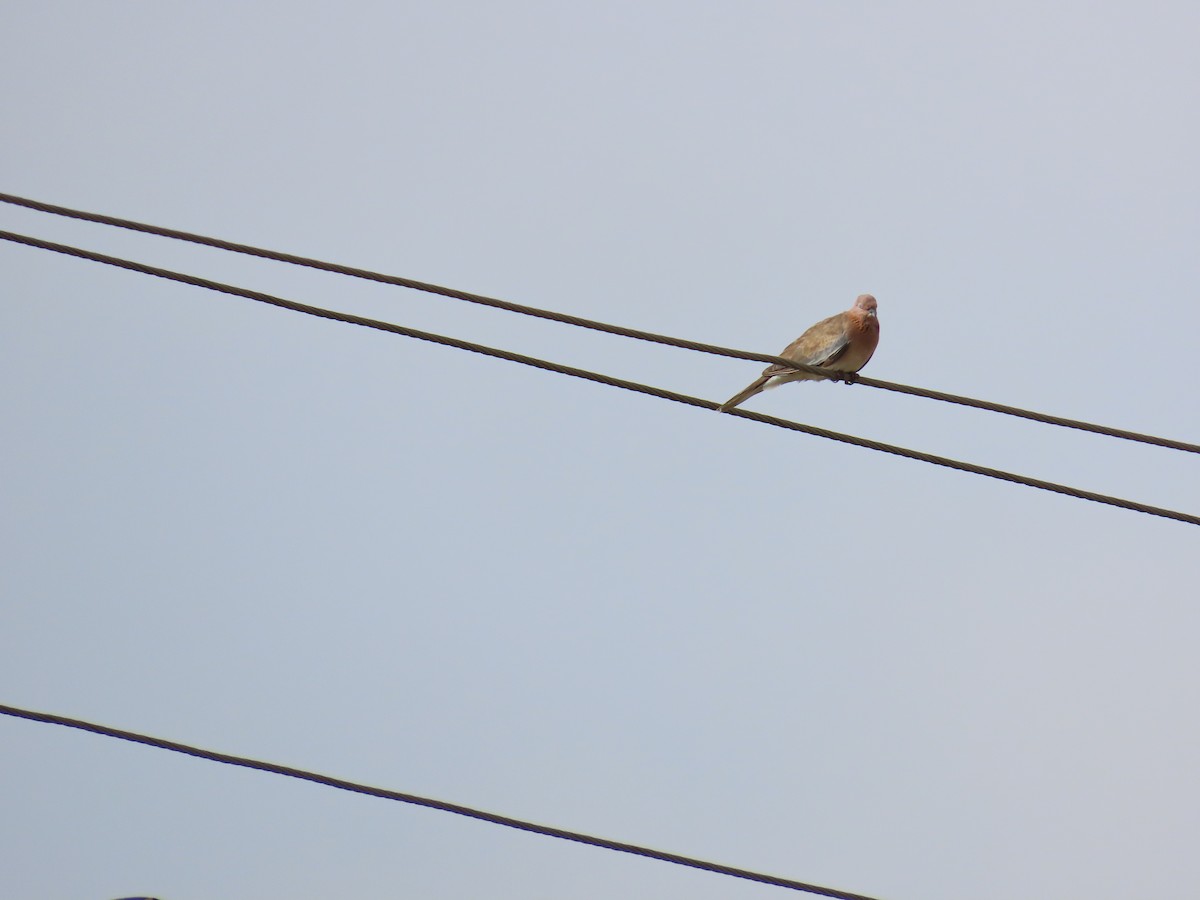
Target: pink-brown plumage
844, 343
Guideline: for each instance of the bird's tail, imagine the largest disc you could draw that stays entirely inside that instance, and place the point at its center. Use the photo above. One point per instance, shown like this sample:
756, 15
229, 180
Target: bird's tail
741, 397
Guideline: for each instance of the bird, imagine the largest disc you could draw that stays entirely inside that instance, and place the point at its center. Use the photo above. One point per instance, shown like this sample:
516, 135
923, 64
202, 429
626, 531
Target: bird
843, 343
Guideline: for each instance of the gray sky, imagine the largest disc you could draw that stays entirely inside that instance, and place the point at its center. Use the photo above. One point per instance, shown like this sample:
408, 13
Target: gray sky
406, 565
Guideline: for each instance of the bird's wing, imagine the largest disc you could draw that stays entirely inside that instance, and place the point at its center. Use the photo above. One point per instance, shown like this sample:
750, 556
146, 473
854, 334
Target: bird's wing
822, 345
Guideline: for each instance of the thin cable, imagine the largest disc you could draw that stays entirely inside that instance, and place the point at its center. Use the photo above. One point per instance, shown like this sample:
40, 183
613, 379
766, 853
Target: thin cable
594, 325
597, 377
343, 785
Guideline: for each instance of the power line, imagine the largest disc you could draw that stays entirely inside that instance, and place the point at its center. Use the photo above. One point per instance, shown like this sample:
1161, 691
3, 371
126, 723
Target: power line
594, 325
492, 818
561, 369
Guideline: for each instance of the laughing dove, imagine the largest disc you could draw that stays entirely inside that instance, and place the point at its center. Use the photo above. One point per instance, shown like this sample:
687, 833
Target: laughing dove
843, 343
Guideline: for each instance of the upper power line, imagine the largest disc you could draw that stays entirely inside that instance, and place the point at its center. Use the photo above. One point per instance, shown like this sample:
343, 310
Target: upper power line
493, 818
609, 380
594, 325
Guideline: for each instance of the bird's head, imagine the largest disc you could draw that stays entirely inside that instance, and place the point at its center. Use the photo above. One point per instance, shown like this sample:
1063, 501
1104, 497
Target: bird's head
867, 304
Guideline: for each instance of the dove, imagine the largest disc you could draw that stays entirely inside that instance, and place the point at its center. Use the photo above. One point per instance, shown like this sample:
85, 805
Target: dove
843, 343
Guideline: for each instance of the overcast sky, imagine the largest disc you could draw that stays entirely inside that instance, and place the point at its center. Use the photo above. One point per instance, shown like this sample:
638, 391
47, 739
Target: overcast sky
401, 564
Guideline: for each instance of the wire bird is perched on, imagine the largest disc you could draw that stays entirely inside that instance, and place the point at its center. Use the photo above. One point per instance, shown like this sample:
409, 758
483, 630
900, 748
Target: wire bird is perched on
843, 343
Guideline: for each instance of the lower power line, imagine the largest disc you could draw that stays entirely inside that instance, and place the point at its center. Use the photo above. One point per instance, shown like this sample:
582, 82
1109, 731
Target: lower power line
492, 818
